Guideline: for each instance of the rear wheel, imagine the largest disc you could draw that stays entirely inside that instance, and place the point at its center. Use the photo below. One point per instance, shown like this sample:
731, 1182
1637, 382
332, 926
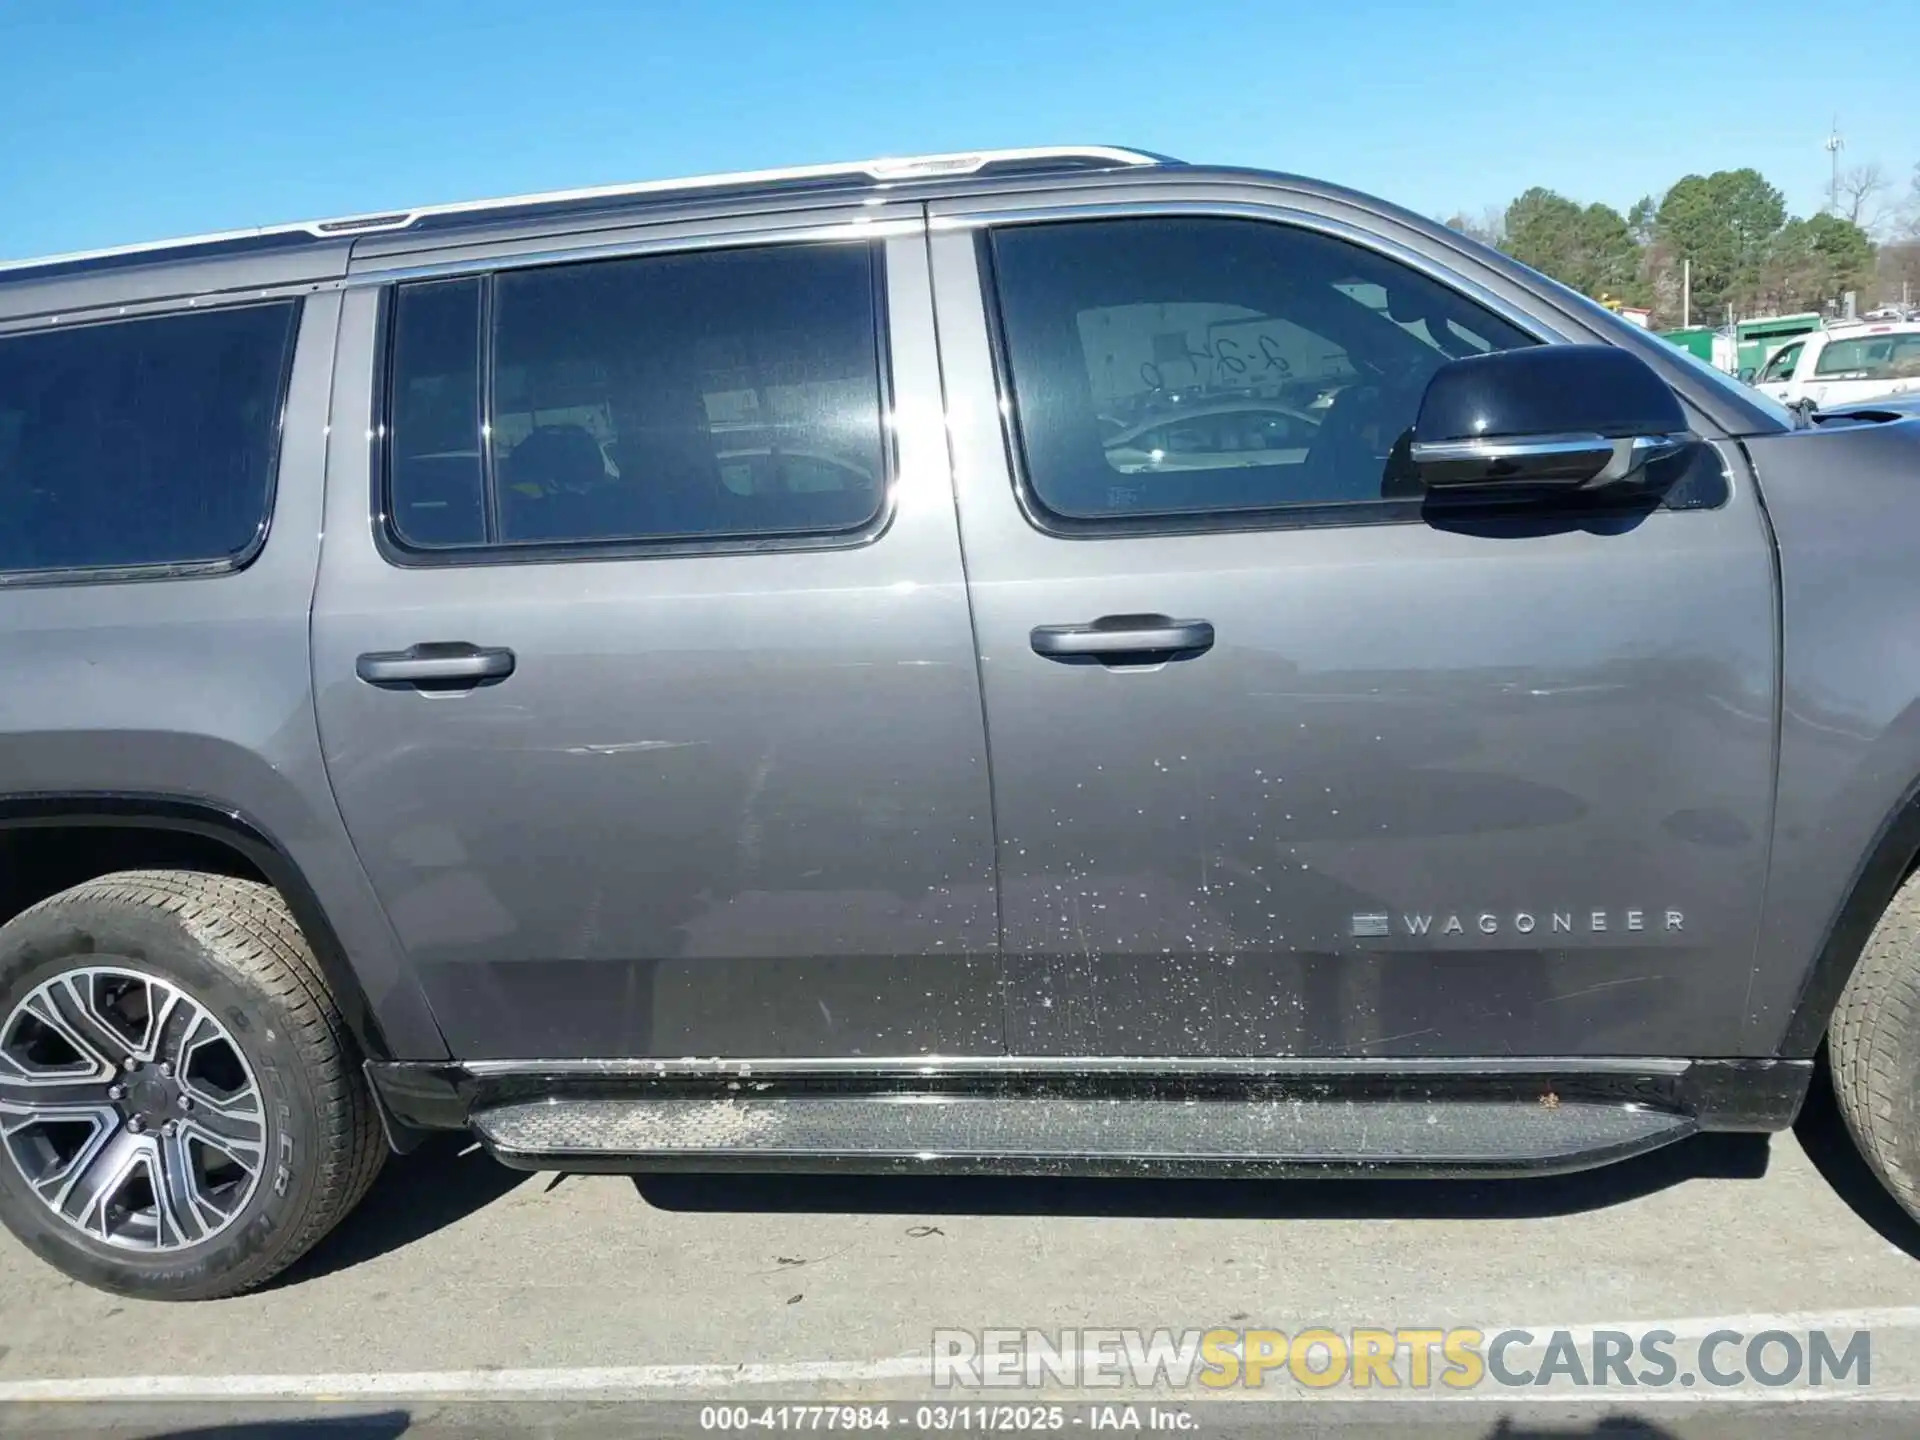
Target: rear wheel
182, 1113
1874, 1049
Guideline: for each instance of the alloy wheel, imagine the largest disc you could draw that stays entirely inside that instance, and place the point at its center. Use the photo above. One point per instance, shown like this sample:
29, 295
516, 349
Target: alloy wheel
129, 1110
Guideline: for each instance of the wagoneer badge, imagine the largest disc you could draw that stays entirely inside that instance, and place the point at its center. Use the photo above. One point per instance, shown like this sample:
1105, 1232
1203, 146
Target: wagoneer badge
1378, 925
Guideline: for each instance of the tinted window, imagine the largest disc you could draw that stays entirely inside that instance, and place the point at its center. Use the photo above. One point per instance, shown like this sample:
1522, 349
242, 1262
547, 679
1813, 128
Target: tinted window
1175, 366
1871, 357
438, 493
665, 398
141, 442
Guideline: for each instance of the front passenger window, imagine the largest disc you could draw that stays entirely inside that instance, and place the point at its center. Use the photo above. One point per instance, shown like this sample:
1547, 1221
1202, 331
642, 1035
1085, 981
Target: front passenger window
1179, 366
1780, 367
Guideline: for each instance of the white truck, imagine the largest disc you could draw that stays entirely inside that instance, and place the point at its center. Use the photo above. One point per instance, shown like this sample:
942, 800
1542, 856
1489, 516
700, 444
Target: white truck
1845, 364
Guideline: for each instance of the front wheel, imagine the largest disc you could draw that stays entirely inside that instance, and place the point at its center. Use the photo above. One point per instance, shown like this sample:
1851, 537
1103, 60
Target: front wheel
181, 1107
1874, 1048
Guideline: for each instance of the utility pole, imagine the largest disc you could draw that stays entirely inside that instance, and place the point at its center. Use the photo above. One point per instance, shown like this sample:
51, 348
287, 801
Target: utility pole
1686, 294
1833, 147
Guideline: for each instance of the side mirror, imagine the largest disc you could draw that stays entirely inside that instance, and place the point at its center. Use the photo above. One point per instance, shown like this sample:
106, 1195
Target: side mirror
1554, 417
1747, 372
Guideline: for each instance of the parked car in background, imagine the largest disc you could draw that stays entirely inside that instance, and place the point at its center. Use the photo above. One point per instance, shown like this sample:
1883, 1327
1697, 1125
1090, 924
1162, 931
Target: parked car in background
1844, 363
1214, 436
527, 668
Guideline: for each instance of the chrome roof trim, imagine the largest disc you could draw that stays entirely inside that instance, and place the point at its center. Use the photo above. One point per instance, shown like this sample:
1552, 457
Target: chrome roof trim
882, 170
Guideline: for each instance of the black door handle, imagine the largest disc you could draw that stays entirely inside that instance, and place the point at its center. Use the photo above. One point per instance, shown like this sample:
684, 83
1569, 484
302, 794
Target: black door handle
438, 665
1118, 635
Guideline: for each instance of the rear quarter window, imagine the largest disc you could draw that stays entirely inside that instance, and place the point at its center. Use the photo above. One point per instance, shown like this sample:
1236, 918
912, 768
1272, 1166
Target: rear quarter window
141, 443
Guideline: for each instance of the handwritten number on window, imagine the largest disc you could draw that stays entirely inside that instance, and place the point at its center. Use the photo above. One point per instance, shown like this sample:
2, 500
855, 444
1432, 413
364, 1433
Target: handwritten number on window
1227, 361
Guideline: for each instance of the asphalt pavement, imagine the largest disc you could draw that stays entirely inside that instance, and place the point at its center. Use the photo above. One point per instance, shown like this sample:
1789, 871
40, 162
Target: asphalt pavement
463, 1295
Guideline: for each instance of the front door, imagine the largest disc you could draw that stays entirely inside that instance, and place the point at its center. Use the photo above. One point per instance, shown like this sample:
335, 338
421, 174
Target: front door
1286, 763
649, 692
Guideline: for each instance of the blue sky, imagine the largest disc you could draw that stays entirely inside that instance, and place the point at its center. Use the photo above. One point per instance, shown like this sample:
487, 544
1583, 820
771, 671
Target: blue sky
130, 121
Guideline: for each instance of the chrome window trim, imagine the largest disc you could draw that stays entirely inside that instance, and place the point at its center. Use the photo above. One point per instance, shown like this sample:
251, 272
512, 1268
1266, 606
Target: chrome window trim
173, 304
555, 251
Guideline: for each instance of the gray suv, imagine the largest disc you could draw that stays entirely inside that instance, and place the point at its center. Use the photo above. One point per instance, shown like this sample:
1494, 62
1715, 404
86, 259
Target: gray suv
1037, 661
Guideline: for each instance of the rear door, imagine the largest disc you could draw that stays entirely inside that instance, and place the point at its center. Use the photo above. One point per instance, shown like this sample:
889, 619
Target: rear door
1285, 761
646, 681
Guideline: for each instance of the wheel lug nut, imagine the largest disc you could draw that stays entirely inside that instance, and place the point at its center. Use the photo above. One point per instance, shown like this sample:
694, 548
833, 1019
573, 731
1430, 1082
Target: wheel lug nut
186, 1102
116, 1092
166, 1068
136, 1123
131, 1065
170, 1127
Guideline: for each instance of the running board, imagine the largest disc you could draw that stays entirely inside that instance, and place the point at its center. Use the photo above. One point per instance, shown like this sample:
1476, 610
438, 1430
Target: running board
1076, 1135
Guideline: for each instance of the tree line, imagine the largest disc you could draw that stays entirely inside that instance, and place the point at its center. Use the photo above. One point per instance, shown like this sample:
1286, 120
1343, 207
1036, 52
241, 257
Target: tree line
1746, 252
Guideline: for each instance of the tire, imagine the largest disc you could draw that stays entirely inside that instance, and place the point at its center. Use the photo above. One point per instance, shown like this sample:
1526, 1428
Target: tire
276, 1134
1874, 1049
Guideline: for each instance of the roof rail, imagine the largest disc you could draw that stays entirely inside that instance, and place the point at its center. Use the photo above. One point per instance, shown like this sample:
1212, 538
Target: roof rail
1861, 322
884, 170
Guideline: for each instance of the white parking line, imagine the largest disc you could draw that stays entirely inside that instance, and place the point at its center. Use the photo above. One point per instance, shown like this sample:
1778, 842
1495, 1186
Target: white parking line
640, 1380
357, 1385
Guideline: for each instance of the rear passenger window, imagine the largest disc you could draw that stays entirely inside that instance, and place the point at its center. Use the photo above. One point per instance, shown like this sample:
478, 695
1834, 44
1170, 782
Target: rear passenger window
1183, 366
141, 443
710, 396
1871, 357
